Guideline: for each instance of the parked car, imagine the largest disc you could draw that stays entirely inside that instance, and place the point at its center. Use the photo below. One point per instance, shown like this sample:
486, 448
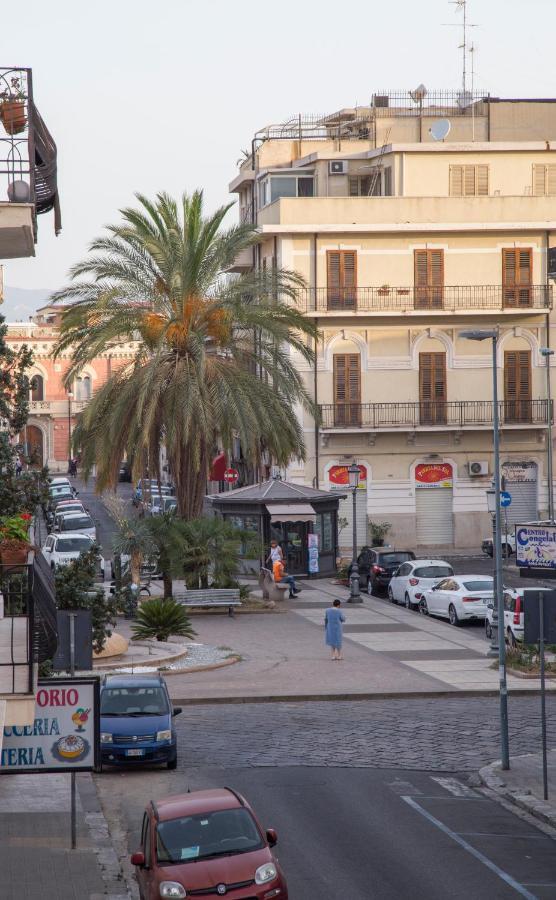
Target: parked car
377, 565
62, 487
57, 480
207, 842
459, 598
160, 503
149, 567
60, 549
508, 544
136, 721
125, 472
64, 507
75, 521
513, 616
146, 488
412, 578
54, 502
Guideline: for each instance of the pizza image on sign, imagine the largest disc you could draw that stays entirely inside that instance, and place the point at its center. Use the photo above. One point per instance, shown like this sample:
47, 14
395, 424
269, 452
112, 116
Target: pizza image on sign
70, 747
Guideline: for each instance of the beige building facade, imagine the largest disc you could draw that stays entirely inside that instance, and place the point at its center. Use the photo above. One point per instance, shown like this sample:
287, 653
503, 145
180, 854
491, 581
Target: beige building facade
413, 220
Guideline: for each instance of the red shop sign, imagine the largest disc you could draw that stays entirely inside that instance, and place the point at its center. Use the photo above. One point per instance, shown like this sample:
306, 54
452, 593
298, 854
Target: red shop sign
434, 475
338, 476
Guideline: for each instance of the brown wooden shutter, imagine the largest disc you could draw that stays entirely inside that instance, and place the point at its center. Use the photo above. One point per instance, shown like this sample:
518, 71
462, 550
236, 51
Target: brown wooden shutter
347, 389
551, 181
341, 279
517, 276
482, 181
517, 386
539, 183
456, 181
353, 186
469, 180
429, 278
432, 388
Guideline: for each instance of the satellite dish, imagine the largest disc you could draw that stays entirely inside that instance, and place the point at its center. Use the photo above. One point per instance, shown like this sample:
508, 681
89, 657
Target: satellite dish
418, 94
440, 129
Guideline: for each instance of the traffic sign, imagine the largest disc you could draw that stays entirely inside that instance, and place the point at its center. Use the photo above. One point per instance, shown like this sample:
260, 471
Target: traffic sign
231, 476
505, 498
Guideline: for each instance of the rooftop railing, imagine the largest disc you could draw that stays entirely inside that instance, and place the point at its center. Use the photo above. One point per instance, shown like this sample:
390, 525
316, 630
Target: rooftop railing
452, 298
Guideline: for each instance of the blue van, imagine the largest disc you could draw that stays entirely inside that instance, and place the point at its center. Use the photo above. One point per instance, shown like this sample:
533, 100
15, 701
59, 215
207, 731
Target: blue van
136, 724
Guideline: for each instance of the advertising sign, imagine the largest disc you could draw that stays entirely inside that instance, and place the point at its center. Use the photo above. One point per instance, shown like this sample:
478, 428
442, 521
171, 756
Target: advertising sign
338, 478
433, 475
313, 546
65, 734
519, 473
535, 546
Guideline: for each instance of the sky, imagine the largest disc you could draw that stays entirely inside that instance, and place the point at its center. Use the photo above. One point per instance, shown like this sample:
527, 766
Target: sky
150, 96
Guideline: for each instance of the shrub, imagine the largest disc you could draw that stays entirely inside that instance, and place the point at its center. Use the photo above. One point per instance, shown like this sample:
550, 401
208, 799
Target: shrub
159, 619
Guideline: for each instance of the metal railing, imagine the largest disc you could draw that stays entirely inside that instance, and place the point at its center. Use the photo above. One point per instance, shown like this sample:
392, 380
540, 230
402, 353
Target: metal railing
452, 298
431, 413
17, 630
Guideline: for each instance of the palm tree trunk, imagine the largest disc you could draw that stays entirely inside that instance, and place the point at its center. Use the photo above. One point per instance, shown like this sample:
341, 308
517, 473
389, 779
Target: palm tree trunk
167, 582
191, 485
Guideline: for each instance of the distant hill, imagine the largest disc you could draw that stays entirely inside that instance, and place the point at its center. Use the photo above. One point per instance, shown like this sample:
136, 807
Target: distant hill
20, 303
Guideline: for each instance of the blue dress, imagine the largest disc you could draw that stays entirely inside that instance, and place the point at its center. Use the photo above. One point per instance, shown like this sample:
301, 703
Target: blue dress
333, 619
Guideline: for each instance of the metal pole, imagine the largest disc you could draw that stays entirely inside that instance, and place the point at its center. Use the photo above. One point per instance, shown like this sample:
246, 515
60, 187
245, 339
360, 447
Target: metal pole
549, 443
499, 597
543, 697
493, 650
355, 594
72, 776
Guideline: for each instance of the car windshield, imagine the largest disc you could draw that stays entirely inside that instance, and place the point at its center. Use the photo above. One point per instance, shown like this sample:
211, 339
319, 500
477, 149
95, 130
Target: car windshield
390, 559
72, 523
433, 571
73, 545
133, 701
218, 833
478, 585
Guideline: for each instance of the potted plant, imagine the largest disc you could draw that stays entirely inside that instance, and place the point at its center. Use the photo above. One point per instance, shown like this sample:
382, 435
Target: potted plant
378, 531
12, 109
14, 539
384, 289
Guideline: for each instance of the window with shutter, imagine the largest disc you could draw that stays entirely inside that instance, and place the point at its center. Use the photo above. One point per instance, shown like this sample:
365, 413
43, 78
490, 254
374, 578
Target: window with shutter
365, 185
432, 389
347, 389
517, 276
544, 181
517, 386
469, 181
341, 275
429, 279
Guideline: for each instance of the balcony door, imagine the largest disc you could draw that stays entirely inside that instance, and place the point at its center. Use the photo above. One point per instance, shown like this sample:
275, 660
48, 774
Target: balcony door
517, 386
347, 389
517, 276
341, 279
432, 389
429, 279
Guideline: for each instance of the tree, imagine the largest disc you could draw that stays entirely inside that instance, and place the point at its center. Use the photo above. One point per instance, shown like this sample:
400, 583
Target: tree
16, 494
211, 552
75, 589
160, 618
212, 358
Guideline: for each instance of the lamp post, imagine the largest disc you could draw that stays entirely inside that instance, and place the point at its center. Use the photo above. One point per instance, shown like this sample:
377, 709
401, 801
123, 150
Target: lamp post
70, 395
354, 592
491, 505
492, 335
547, 353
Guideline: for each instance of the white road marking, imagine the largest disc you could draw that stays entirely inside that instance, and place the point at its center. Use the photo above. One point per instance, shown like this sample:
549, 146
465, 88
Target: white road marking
457, 788
476, 853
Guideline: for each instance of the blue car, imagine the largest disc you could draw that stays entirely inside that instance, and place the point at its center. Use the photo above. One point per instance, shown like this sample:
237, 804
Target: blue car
136, 724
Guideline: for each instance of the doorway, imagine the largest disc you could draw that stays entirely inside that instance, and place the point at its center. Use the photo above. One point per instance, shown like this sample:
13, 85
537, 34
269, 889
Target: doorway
292, 537
34, 440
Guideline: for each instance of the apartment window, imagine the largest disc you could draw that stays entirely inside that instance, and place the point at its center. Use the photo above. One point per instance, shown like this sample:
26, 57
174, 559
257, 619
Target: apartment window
517, 385
341, 279
517, 276
365, 185
273, 187
83, 388
347, 389
468, 181
429, 279
544, 181
37, 387
432, 388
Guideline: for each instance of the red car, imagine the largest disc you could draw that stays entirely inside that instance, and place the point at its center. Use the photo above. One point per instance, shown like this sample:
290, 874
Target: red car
206, 844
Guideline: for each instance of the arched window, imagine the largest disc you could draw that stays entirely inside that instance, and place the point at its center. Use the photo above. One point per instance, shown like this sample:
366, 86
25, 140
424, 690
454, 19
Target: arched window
83, 387
37, 387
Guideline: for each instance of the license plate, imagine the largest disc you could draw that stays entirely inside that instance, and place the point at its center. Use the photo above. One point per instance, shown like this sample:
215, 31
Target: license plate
134, 752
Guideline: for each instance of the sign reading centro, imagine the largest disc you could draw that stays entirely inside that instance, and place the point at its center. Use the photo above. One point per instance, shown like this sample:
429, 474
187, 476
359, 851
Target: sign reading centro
338, 477
433, 475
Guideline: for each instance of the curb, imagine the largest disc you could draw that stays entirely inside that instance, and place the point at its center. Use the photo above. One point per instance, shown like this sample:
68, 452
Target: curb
116, 886
340, 698
207, 668
541, 809
143, 661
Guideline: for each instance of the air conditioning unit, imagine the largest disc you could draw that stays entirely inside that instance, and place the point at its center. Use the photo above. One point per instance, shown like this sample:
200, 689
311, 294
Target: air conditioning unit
337, 167
478, 467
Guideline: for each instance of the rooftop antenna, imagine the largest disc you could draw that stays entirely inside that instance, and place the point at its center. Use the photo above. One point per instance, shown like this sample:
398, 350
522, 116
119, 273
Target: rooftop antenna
462, 5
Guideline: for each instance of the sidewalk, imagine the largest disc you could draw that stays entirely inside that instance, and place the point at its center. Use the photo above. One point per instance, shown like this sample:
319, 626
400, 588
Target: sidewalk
36, 862
522, 784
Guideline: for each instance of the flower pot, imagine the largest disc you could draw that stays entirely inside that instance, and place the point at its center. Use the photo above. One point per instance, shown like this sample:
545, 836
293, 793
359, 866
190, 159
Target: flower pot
12, 113
14, 553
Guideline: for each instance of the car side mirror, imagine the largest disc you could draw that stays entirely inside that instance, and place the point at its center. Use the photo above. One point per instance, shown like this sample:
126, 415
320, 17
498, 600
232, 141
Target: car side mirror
177, 710
138, 859
271, 837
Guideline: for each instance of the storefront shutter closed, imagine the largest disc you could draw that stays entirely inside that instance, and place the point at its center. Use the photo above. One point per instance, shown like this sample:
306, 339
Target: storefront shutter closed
523, 507
434, 516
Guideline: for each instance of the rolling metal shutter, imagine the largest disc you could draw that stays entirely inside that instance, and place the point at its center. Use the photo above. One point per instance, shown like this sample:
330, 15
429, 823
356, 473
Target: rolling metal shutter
434, 519
523, 507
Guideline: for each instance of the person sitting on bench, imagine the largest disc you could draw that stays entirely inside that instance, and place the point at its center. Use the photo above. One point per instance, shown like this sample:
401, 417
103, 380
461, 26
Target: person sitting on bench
280, 574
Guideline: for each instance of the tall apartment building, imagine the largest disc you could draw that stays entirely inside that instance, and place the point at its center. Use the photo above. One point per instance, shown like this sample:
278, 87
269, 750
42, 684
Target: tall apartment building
411, 220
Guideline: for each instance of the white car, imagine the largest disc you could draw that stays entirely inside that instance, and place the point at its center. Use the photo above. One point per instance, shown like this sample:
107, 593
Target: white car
459, 598
415, 576
76, 521
508, 544
60, 549
513, 616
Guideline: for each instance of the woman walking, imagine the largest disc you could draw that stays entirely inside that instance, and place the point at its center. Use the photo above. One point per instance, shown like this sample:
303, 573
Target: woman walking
333, 620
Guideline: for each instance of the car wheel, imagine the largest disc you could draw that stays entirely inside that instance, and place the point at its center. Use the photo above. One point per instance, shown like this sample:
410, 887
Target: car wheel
391, 595
408, 603
488, 630
452, 615
172, 763
423, 608
369, 586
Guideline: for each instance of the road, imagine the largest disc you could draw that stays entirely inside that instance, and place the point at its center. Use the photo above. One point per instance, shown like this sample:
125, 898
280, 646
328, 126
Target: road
347, 788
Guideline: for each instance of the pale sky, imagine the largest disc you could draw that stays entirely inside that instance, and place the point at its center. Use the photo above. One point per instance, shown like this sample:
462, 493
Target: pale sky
148, 96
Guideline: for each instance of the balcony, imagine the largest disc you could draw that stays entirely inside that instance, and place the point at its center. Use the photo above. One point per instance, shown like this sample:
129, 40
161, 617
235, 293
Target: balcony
433, 301
56, 407
427, 415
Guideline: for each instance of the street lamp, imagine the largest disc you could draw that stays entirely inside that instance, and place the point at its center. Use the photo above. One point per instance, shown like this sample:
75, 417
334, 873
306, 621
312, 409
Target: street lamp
354, 592
70, 395
547, 353
498, 611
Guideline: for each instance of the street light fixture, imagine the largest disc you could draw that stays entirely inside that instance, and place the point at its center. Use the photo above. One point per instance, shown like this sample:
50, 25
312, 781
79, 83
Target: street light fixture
547, 353
354, 592
499, 636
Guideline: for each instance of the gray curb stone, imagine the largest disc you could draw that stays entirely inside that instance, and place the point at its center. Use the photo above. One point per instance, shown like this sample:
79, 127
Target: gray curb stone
491, 778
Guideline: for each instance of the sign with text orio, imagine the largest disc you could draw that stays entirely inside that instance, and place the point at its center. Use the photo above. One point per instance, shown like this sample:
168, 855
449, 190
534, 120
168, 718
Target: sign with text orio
433, 475
64, 735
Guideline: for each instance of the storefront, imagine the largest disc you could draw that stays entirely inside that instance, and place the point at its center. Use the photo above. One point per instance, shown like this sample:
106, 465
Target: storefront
434, 503
520, 480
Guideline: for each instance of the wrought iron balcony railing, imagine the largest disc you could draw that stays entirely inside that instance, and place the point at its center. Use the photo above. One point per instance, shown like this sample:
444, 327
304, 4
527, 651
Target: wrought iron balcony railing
429, 413
451, 298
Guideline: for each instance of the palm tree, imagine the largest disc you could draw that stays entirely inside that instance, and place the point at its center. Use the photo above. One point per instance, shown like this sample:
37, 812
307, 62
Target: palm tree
212, 357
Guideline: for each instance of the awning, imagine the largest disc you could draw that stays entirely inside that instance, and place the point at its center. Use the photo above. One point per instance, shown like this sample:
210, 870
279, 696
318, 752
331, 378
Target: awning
291, 512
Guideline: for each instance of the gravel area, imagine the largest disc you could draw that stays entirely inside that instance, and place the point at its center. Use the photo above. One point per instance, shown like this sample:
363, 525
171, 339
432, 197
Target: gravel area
197, 655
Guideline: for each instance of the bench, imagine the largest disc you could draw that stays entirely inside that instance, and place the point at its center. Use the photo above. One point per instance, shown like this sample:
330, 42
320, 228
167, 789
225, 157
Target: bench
270, 588
210, 597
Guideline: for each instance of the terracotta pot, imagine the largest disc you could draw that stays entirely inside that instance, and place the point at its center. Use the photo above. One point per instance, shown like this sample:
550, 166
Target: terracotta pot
14, 556
12, 113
